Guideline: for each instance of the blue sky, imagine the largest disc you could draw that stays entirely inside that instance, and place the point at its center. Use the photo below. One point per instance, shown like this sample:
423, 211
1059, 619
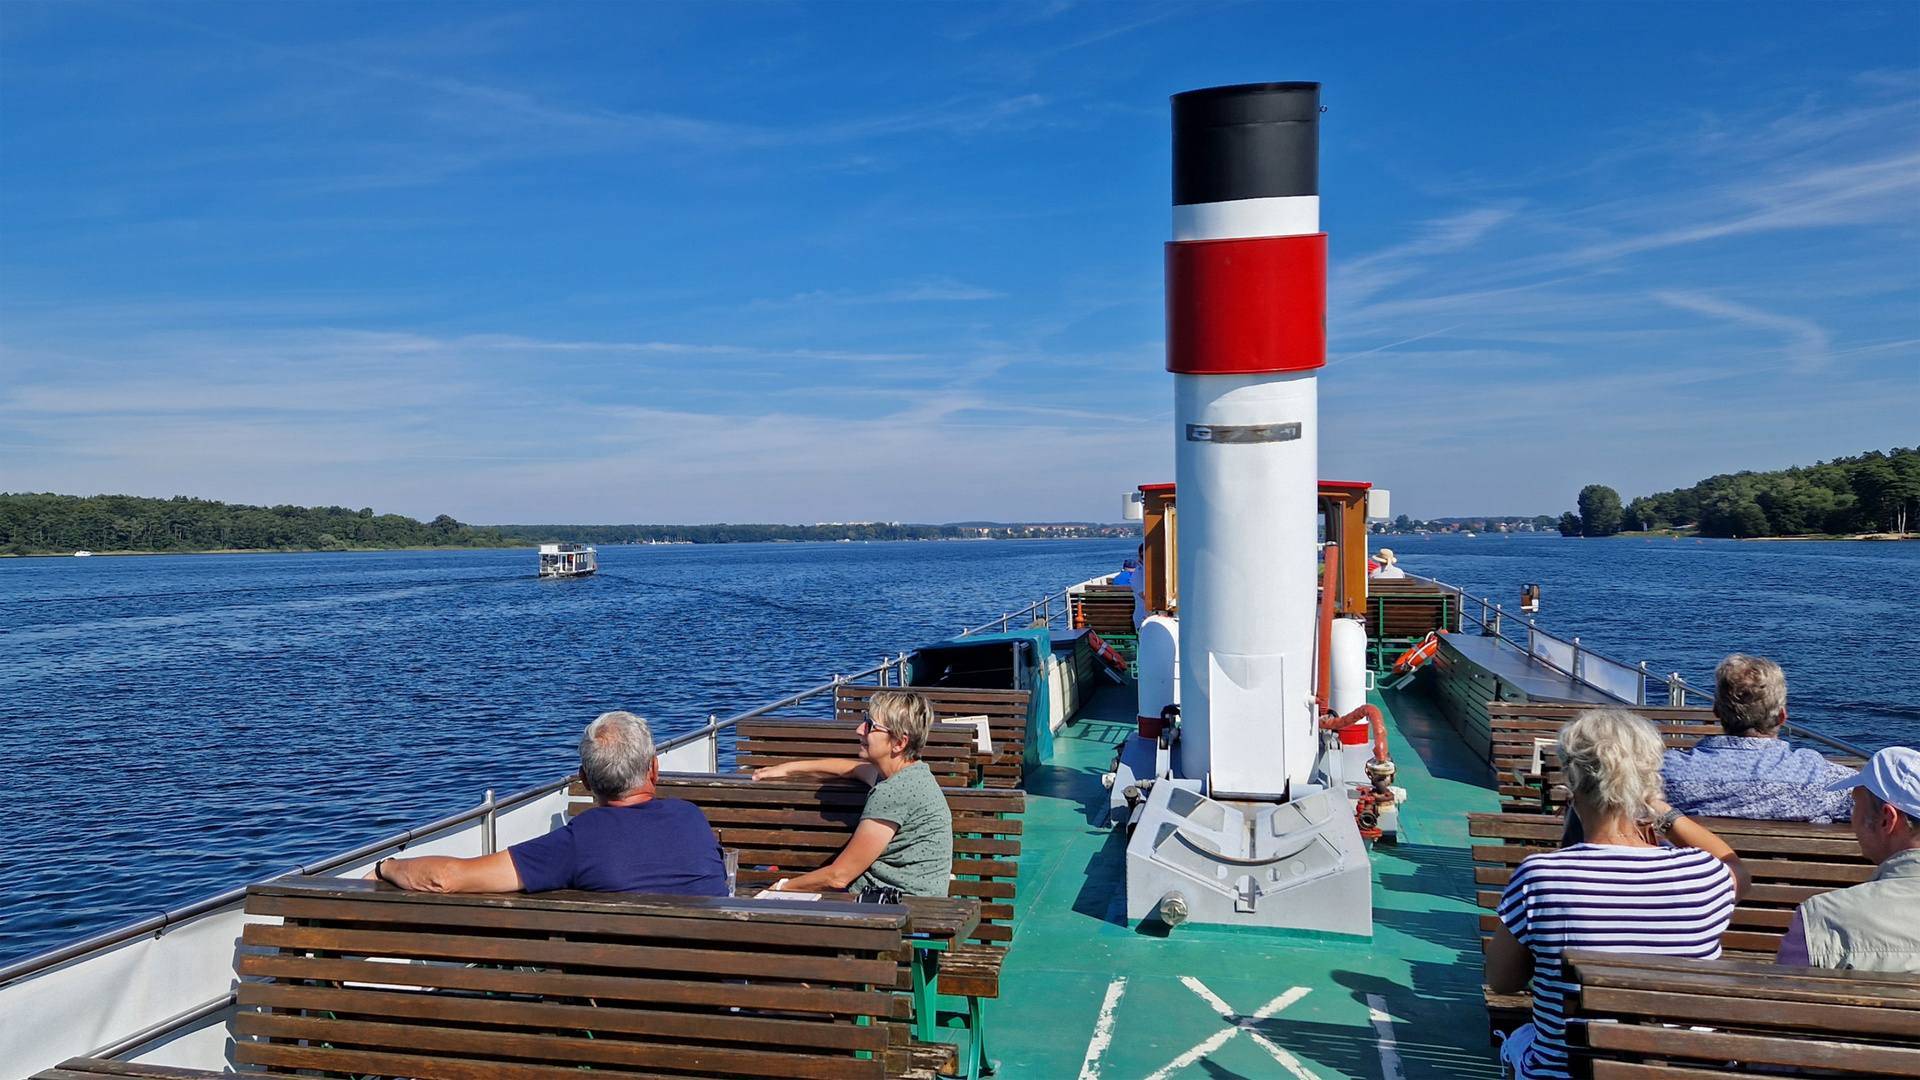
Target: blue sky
705, 262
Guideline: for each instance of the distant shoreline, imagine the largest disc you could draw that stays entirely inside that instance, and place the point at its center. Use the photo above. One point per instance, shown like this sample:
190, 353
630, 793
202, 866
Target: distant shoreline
1879, 537
536, 544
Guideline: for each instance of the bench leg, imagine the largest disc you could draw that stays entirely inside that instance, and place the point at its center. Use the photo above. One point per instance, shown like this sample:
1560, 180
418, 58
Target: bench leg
977, 1064
925, 1001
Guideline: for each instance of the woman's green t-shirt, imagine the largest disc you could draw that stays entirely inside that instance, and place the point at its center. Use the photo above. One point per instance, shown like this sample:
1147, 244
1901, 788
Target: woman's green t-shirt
919, 859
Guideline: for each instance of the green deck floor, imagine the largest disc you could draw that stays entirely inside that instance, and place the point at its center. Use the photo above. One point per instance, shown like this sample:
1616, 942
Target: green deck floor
1406, 1004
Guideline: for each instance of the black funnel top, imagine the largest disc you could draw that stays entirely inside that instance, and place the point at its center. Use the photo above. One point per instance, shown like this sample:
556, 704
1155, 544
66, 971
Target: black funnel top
1255, 141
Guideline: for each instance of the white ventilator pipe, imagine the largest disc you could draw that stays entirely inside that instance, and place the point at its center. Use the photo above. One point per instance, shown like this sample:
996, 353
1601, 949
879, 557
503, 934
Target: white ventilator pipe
1246, 336
1158, 661
1349, 690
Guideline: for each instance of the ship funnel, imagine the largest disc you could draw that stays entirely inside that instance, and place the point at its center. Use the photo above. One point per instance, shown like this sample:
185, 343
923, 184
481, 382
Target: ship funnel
1246, 337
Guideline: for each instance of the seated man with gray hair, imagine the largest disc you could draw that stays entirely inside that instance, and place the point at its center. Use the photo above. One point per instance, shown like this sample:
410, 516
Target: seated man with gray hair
630, 841
1750, 772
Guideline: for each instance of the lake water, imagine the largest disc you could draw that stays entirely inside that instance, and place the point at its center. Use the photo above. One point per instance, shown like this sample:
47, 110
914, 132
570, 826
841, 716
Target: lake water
173, 726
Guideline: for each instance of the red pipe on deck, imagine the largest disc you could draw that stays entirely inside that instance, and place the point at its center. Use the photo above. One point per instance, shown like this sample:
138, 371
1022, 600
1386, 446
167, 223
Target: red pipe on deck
1329, 575
1369, 714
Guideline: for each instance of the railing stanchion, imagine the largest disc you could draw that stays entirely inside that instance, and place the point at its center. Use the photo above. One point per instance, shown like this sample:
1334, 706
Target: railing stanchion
488, 838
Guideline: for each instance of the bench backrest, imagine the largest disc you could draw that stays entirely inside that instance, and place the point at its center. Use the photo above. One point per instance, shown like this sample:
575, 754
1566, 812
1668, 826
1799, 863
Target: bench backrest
1398, 608
1659, 1017
1789, 861
782, 827
1518, 726
1005, 710
1107, 610
950, 751
367, 980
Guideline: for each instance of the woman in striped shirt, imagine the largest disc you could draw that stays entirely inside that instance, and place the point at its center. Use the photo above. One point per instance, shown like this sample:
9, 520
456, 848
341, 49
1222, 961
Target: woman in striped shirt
1623, 890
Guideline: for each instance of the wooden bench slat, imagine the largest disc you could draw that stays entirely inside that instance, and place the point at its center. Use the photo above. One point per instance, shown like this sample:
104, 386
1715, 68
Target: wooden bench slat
105, 1067
712, 1025
472, 1043
571, 984
811, 937
426, 1067
1752, 1049
531, 951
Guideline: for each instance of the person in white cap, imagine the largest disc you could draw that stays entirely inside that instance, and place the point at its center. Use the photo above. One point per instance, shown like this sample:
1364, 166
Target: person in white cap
1872, 926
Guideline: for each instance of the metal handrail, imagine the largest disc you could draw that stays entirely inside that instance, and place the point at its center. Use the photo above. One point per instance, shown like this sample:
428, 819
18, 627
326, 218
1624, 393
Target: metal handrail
714, 727
1677, 687
1041, 610
156, 924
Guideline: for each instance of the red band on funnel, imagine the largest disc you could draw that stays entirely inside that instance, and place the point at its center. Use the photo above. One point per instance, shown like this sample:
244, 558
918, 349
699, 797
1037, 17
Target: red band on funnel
1247, 307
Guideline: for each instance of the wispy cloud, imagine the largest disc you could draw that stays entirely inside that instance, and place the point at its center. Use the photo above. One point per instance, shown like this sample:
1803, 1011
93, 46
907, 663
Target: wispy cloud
1806, 343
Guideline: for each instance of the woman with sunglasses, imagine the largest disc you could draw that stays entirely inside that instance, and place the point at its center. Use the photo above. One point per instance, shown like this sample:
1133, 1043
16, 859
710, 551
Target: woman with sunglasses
905, 836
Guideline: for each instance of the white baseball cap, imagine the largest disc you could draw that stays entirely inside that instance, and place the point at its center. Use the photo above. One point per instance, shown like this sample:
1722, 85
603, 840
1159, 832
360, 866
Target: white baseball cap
1892, 774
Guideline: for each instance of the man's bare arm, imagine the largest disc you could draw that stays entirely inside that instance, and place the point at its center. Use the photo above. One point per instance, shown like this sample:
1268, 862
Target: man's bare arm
445, 874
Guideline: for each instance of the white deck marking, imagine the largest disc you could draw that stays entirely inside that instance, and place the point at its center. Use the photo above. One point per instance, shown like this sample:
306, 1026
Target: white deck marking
1235, 1025
1383, 1031
1102, 1030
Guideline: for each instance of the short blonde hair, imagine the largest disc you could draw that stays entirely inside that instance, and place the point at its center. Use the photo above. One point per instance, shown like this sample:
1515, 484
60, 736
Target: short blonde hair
905, 714
1748, 694
1611, 759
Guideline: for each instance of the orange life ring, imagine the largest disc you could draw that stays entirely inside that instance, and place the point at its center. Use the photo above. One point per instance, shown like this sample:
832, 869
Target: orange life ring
1419, 654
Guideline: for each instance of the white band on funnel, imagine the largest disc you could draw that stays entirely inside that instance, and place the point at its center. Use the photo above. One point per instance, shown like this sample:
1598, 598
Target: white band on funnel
1240, 219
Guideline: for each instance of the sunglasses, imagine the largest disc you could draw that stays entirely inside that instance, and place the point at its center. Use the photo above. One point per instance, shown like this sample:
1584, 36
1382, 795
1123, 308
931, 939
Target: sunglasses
869, 725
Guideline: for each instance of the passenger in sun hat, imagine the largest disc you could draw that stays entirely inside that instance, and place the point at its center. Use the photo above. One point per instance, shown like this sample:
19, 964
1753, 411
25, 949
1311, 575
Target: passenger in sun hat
1871, 927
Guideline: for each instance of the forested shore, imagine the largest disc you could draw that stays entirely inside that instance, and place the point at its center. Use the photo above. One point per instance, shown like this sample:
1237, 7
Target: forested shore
49, 524
1873, 493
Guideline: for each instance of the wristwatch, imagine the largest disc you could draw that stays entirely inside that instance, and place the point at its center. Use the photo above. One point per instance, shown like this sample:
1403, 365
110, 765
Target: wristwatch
1665, 824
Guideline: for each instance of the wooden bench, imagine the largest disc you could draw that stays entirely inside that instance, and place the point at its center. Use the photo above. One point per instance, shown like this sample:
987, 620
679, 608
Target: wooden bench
780, 827
1400, 612
1518, 726
1005, 710
1789, 861
1656, 1018
1107, 610
951, 752
368, 980
800, 825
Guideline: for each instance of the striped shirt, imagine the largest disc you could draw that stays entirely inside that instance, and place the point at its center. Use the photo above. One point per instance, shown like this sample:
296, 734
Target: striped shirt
1650, 901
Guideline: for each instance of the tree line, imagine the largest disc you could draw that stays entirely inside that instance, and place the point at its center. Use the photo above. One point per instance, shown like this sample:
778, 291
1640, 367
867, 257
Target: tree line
43, 524
1874, 492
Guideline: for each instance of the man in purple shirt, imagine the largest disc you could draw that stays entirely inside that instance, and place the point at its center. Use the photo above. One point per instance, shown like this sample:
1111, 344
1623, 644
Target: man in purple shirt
1750, 772
630, 841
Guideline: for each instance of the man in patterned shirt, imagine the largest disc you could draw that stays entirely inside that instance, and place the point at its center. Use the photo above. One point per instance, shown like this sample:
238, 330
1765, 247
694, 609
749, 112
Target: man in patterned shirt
1750, 772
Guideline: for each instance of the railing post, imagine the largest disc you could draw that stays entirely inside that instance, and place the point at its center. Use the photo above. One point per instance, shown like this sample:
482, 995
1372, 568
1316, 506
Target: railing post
488, 842
1641, 697
1496, 620
1676, 690
1577, 676
1483, 618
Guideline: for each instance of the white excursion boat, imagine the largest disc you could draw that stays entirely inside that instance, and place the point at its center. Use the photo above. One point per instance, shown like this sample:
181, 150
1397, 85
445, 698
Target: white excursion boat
82, 554
566, 560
